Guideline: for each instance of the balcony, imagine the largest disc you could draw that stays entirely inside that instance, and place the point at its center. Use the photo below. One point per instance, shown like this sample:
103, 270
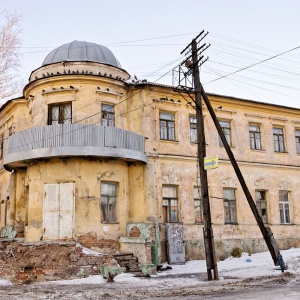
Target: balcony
71, 140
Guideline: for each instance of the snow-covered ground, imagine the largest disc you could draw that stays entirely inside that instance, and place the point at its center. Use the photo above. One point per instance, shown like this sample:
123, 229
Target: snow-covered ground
260, 264
248, 277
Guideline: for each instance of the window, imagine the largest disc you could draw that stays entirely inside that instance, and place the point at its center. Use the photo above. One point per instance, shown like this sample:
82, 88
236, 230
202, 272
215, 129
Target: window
261, 204
108, 202
198, 205
255, 139
225, 125
284, 207
108, 115
229, 206
297, 136
170, 204
60, 114
1, 145
167, 126
193, 130
278, 140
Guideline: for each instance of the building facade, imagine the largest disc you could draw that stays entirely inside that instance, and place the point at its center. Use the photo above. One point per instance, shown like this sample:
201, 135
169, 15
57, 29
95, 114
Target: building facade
92, 155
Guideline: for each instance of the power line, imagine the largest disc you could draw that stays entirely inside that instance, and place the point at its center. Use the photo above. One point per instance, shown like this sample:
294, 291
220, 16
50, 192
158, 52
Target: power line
260, 62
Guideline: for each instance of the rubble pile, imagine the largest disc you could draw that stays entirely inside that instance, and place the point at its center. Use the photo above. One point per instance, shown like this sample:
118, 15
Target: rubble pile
26, 263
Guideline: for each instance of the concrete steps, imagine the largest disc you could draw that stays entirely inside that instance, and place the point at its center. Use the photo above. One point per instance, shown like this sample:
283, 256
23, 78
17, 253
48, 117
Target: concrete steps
129, 261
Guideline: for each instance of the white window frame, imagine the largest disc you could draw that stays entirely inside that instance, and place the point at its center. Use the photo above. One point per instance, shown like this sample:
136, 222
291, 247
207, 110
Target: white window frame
284, 207
227, 132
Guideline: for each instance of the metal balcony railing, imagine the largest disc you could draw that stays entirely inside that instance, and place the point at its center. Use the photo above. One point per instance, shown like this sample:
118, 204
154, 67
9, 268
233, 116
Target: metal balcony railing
74, 140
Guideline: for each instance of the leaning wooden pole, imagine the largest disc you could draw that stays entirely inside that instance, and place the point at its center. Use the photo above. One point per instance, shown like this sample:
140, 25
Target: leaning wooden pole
211, 262
266, 231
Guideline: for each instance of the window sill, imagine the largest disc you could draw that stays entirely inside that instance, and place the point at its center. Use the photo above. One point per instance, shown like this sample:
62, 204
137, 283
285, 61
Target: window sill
277, 152
232, 147
170, 141
110, 223
286, 224
258, 150
233, 223
172, 223
196, 143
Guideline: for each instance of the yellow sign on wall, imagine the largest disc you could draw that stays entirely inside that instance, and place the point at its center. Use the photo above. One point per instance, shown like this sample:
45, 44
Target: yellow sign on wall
211, 162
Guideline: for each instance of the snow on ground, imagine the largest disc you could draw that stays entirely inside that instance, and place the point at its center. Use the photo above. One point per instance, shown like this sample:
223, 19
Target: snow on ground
87, 250
5, 282
259, 264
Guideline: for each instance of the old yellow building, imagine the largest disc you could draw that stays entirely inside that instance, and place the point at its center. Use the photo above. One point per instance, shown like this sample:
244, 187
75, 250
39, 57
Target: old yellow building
93, 155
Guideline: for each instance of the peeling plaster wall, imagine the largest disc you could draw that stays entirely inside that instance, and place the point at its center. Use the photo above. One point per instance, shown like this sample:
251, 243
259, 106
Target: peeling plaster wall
87, 175
137, 108
174, 163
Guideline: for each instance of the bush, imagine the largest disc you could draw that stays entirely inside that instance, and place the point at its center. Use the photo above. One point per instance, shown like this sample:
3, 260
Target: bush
236, 252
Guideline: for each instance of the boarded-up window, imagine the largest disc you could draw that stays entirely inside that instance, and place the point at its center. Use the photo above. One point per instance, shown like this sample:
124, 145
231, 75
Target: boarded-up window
170, 204
108, 202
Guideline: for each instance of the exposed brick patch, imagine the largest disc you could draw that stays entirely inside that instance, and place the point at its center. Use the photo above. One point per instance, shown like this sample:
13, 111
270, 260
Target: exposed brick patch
22, 263
135, 232
90, 240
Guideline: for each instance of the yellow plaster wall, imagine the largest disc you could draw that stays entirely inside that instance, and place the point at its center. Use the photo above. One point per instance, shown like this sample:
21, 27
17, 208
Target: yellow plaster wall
87, 175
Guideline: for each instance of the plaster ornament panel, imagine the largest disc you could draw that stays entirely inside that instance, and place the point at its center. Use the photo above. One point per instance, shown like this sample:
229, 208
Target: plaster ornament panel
284, 185
261, 184
224, 113
296, 124
62, 96
229, 183
170, 179
278, 121
197, 182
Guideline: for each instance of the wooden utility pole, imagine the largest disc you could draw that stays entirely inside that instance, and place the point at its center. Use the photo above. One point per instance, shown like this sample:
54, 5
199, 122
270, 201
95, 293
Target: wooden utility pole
266, 231
211, 262
207, 230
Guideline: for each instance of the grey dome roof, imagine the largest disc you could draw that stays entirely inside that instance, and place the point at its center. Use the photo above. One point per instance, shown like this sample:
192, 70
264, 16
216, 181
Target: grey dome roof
82, 51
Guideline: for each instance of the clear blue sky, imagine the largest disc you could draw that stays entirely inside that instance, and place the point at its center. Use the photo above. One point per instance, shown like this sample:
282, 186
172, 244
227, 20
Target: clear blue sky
241, 33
